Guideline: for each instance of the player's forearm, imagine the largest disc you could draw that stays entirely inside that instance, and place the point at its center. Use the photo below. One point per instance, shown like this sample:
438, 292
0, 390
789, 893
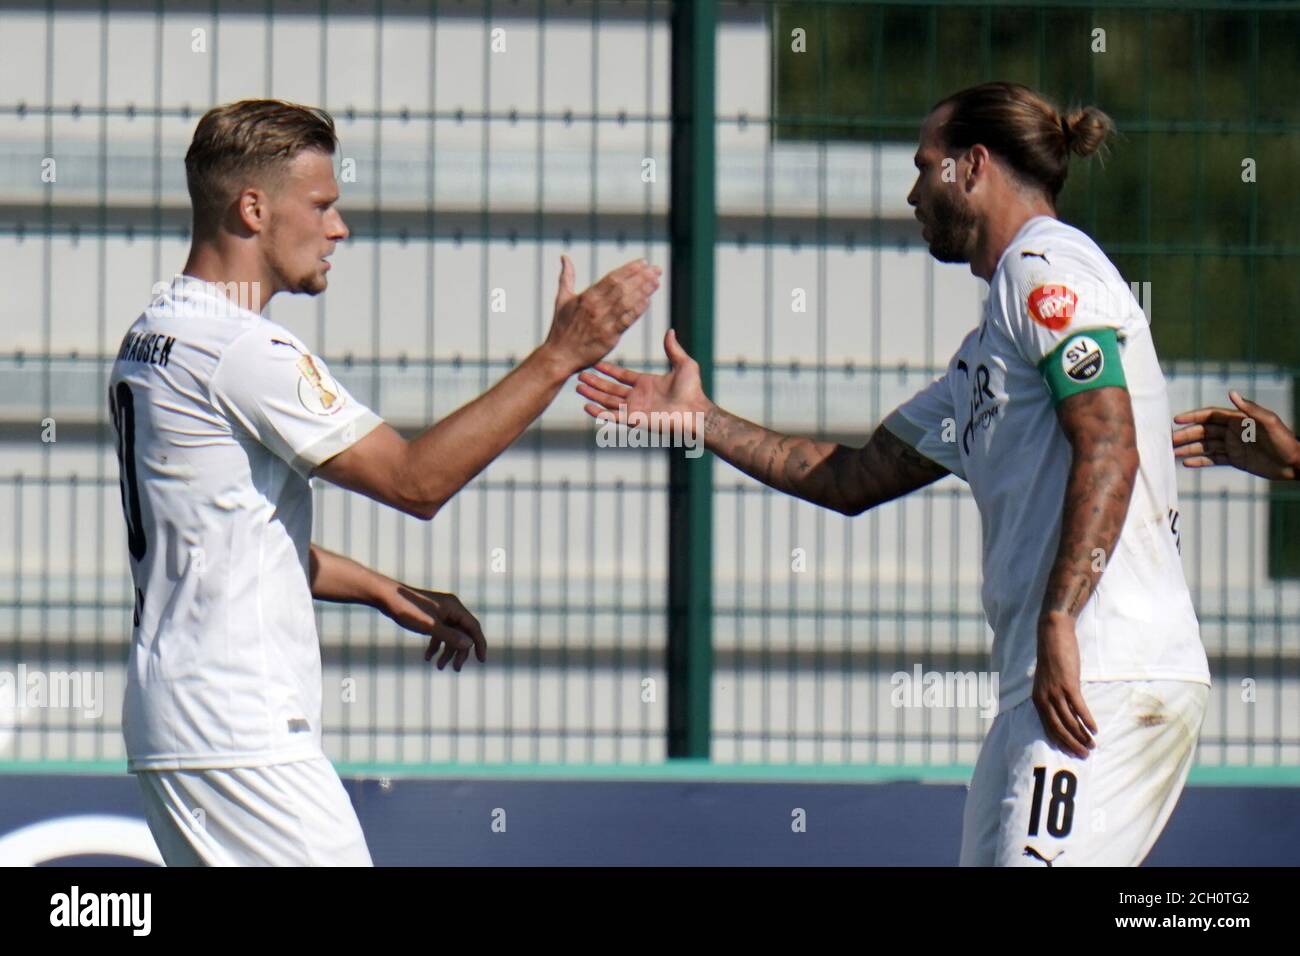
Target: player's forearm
344, 581
445, 457
1097, 494
817, 471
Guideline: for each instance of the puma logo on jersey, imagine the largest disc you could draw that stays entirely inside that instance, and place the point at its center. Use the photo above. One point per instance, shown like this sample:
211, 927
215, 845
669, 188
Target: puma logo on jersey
1031, 852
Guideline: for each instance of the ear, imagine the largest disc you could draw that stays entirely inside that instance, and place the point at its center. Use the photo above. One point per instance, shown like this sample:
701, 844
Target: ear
979, 159
250, 209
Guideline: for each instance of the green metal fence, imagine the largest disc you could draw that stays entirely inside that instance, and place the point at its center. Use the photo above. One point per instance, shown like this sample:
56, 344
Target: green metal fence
643, 607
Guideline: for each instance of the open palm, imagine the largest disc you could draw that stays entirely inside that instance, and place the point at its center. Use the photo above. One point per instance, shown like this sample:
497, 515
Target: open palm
625, 392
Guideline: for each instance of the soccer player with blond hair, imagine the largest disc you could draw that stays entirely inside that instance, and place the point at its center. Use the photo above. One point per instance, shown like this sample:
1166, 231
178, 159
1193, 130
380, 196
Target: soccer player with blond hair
222, 419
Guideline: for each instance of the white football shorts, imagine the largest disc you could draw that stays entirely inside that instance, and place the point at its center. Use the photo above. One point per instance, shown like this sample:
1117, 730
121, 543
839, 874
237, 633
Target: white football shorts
1030, 804
289, 814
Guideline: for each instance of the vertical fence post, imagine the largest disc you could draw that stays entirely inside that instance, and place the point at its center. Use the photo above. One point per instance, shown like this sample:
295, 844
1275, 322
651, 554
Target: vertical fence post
690, 496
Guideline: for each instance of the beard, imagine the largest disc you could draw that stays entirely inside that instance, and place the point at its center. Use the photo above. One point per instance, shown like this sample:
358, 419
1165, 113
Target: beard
952, 228
298, 283
289, 276
313, 283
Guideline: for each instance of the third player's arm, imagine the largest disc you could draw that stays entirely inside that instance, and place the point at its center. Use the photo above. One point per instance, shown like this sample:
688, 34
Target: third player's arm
1249, 437
847, 480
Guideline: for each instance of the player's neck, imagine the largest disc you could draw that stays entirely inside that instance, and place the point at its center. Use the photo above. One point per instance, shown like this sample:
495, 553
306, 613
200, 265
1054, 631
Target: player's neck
245, 283
1000, 229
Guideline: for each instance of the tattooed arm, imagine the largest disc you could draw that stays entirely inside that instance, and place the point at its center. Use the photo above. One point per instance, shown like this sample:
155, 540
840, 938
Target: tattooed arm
848, 480
1099, 426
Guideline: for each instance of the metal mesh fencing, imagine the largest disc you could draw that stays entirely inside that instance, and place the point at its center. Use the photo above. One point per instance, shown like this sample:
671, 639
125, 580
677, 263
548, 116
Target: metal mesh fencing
479, 140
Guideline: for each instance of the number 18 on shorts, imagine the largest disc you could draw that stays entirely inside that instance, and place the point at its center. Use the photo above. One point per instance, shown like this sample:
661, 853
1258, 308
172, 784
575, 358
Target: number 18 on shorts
1031, 804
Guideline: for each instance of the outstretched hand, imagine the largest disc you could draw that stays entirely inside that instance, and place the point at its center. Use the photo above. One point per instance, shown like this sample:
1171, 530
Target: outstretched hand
586, 326
677, 392
1249, 437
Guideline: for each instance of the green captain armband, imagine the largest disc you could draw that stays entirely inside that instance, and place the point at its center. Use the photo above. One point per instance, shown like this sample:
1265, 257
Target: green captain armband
1083, 361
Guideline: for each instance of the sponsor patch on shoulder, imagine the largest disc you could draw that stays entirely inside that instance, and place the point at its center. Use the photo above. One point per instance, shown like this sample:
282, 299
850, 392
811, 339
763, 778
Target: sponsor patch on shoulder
1082, 360
1052, 306
316, 390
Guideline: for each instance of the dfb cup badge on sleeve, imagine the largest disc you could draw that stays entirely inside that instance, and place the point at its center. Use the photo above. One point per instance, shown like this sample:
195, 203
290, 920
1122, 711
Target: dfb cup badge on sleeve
316, 390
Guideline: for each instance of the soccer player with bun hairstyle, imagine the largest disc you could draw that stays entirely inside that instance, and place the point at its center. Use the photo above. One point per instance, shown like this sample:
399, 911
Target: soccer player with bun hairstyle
1054, 410
222, 418
1024, 130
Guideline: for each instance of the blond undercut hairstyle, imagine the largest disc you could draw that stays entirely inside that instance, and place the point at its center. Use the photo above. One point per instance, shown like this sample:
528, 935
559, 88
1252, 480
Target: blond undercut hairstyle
248, 142
1024, 129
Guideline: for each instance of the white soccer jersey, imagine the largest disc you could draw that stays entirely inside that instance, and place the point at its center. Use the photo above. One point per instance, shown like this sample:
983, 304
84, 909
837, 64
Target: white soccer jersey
1056, 308
221, 414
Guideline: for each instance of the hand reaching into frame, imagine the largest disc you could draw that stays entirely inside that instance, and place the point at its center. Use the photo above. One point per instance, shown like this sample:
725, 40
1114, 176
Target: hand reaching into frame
1249, 437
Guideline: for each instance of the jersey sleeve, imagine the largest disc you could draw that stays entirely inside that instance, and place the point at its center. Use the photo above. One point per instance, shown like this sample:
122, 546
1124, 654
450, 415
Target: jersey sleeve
928, 422
285, 397
1064, 321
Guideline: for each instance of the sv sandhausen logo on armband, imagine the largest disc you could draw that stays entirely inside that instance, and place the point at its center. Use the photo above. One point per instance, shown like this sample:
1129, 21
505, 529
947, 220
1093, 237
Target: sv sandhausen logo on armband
1081, 359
